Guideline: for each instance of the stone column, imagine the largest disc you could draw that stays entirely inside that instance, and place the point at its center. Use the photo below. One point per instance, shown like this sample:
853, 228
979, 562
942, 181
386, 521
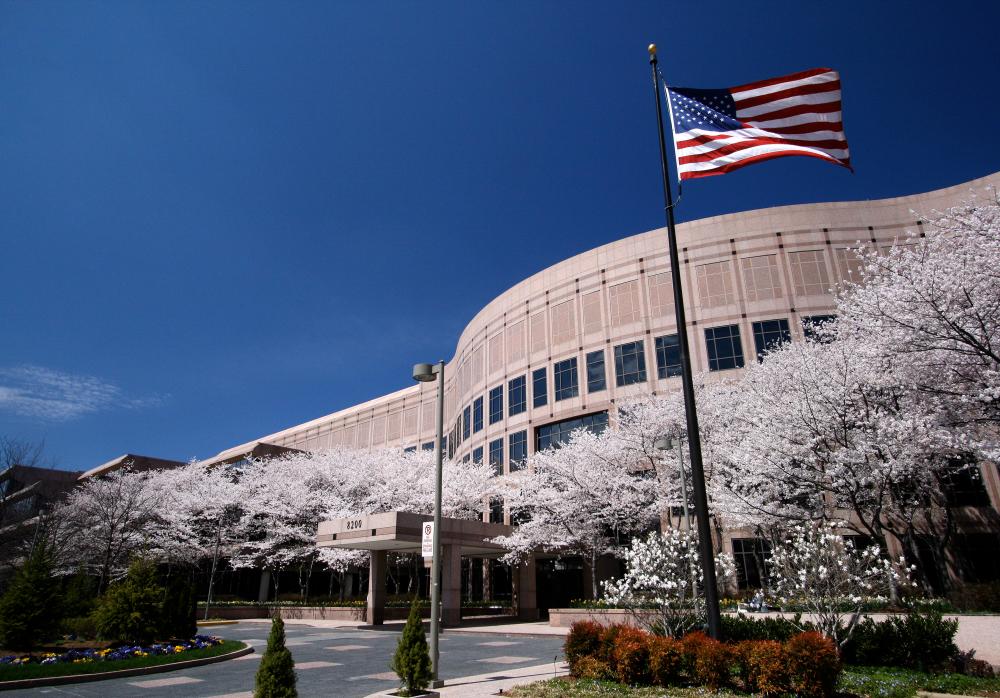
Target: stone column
527, 597
451, 584
376, 587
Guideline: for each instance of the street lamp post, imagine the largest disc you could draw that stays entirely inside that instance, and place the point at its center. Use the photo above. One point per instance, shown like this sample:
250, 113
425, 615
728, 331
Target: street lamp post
665, 444
425, 373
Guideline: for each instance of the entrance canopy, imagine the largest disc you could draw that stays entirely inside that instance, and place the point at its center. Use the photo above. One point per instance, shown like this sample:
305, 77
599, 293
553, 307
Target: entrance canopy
400, 532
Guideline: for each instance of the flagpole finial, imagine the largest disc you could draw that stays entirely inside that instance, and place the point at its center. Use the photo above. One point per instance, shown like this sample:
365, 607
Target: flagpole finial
652, 53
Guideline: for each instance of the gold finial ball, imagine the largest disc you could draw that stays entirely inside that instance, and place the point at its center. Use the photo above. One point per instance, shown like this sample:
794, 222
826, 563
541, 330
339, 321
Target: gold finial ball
652, 49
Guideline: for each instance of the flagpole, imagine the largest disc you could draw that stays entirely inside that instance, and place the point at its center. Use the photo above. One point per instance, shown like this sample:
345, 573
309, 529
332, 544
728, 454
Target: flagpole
694, 438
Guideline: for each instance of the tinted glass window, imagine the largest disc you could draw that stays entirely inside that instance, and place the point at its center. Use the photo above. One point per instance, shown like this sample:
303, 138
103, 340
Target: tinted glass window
496, 456
595, 372
813, 323
769, 334
725, 351
556, 433
668, 356
477, 455
516, 396
539, 388
518, 450
566, 380
477, 414
466, 422
427, 446
630, 364
496, 404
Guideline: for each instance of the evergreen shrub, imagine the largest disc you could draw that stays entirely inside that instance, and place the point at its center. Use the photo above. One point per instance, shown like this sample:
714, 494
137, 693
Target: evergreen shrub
276, 673
412, 661
31, 608
131, 609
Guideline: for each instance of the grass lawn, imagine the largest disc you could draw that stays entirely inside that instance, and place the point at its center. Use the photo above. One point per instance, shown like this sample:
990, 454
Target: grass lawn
869, 682
37, 671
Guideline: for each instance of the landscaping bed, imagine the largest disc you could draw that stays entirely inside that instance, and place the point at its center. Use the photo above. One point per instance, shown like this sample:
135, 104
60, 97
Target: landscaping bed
91, 660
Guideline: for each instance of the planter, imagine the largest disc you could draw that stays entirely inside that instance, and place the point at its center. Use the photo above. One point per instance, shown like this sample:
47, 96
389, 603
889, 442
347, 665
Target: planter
395, 694
565, 617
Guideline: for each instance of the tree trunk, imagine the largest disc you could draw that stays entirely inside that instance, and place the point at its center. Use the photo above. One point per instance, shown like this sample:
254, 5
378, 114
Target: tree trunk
593, 574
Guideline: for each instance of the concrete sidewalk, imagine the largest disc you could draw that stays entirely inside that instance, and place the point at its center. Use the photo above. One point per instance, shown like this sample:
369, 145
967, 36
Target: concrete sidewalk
491, 684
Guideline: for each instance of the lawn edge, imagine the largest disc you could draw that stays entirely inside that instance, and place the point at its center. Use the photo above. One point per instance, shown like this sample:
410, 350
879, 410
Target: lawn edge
122, 673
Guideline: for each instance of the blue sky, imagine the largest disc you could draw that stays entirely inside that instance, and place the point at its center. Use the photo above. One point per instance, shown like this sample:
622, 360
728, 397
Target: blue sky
222, 219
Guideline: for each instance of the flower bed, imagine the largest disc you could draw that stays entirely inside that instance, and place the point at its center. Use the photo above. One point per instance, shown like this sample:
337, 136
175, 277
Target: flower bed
111, 654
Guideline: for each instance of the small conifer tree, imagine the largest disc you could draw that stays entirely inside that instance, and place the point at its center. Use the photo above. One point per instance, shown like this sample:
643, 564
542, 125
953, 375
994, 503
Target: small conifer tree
131, 610
412, 661
276, 674
30, 610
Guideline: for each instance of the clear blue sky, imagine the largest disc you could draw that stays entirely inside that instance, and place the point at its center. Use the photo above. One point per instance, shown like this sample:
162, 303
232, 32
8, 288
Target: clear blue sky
220, 219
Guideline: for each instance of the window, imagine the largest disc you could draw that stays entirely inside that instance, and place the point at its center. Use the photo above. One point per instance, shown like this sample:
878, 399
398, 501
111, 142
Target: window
518, 450
962, 484
725, 351
496, 456
465, 459
812, 326
410, 449
496, 510
496, 404
517, 395
595, 372
466, 422
751, 556
770, 334
477, 414
556, 433
668, 356
477, 455
539, 388
630, 364
427, 446
566, 380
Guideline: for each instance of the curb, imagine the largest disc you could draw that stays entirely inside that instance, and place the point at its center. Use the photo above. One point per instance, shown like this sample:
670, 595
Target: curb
210, 623
121, 673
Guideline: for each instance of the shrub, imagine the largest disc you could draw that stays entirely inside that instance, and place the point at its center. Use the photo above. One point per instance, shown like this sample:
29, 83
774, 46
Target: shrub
763, 666
977, 597
80, 627
583, 640
608, 639
179, 610
814, 665
666, 660
630, 661
130, 611
412, 661
924, 641
737, 628
30, 610
966, 663
593, 668
708, 661
276, 673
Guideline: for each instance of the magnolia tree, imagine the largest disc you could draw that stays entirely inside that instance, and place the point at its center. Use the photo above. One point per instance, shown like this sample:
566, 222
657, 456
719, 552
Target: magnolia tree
577, 499
663, 573
819, 569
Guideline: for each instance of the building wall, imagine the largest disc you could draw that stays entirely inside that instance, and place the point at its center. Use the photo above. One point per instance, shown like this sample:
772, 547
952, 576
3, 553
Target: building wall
769, 264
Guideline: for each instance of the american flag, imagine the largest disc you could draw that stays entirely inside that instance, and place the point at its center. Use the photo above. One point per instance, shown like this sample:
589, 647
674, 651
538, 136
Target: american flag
718, 131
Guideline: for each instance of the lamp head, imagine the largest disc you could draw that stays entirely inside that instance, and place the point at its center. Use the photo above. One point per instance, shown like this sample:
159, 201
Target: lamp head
424, 373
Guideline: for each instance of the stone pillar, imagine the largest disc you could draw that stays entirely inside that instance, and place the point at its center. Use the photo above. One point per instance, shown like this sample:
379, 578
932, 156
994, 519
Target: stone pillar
451, 584
525, 590
376, 587
263, 591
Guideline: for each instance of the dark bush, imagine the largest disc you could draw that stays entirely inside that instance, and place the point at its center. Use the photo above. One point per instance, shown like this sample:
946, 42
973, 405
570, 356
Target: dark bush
763, 666
80, 595
179, 611
412, 661
966, 663
80, 627
31, 608
276, 673
666, 660
737, 628
583, 640
923, 641
131, 610
976, 597
813, 664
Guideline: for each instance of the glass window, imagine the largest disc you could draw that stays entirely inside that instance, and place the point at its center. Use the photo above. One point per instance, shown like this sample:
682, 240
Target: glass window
496, 404
725, 351
769, 334
595, 372
517, 396
427, 446
477, 414
668, 356
477, 455
751, 556
630, 364
518, 450
410, 449
465, 458
566, 379
539, 388
496, 510
553, 434
496, 456
813, 323
466, 422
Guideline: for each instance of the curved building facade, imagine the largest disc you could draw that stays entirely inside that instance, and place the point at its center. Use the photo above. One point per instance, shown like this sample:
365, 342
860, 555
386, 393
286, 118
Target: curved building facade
560, 348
